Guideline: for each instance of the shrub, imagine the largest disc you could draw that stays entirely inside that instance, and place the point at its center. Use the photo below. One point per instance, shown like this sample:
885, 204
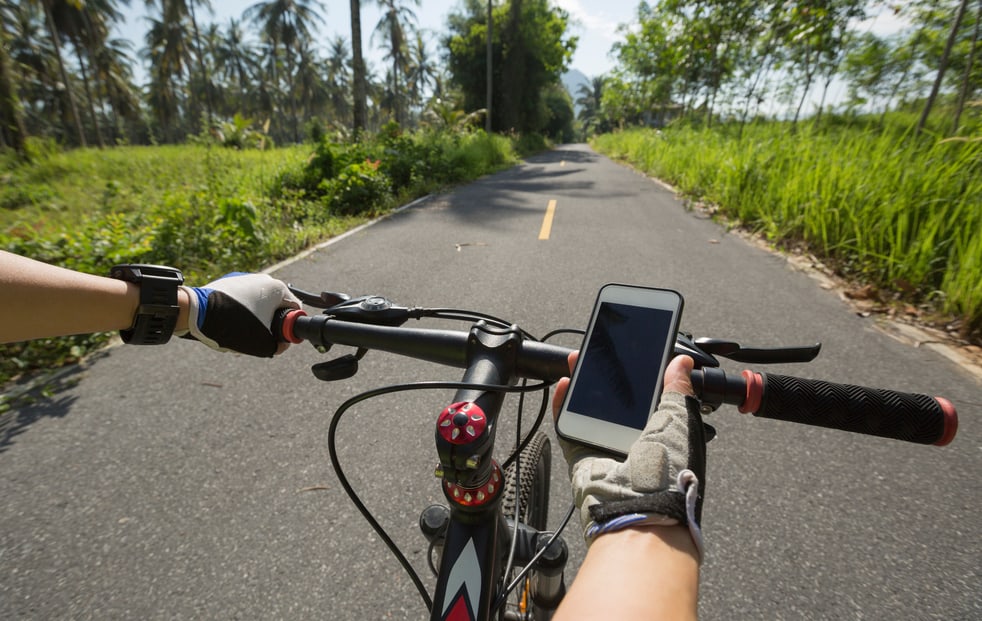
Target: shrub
359, 188
209, 211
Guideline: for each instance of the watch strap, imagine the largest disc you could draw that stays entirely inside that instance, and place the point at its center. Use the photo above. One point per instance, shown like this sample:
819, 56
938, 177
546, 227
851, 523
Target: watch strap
156, 317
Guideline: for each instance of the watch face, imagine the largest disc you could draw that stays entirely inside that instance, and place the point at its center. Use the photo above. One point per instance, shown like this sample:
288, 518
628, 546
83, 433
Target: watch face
135, 272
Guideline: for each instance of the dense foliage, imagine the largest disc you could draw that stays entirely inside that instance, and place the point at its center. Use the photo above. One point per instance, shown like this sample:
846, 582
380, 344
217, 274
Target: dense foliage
530, 51
64, 76
746, 59
209, 210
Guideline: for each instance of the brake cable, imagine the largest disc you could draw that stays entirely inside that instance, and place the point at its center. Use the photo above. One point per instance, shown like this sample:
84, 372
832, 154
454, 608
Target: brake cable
346, 484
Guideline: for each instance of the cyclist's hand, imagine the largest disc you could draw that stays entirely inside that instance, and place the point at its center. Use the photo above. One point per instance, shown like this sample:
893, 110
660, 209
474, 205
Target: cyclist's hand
234, 313
663, 477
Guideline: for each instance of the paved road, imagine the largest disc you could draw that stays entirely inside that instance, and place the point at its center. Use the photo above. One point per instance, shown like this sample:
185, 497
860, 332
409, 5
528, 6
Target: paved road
179, 483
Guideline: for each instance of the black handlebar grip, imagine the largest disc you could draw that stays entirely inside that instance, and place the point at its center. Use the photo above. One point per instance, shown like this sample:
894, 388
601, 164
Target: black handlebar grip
886, 413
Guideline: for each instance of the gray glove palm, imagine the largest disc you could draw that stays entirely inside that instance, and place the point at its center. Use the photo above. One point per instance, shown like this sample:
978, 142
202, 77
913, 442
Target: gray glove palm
663, 478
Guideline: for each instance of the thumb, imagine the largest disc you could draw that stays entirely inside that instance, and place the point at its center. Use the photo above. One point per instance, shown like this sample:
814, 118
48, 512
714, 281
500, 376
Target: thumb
562, 386
678, 375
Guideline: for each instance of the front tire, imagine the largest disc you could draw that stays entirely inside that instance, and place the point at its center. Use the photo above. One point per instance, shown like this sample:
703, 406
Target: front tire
528, 486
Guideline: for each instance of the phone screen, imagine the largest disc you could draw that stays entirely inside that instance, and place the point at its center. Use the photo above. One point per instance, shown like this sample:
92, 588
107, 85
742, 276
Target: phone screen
618, 373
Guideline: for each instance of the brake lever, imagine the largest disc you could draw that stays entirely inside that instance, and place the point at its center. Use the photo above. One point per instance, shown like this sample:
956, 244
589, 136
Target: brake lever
340, 368
324, 299
752, 355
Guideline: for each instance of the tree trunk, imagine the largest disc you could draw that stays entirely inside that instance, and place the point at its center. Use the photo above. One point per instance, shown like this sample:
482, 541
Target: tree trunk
52, 30
490, 75
201, 64
88, 90
943, 65
291, 70
512, 85
966, 77
821, 103
11, 114
360, 111
764, 66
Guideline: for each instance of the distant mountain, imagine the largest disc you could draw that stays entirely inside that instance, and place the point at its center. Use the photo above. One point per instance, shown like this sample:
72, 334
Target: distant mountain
572, 80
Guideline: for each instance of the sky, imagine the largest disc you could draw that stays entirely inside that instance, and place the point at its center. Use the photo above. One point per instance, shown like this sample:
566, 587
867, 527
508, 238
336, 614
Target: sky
595, 23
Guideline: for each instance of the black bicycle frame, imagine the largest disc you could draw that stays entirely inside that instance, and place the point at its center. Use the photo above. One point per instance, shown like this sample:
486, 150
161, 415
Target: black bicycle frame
471, 567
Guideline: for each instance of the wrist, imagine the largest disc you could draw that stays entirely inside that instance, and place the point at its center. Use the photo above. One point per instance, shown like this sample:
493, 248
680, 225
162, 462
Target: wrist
644, 573
184, 306
676, 537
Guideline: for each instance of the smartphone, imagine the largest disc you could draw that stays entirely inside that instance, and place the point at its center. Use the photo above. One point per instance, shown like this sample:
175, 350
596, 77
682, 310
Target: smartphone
618, 377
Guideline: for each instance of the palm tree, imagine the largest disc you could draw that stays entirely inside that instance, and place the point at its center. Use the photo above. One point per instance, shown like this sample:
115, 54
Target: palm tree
66, 84
287, 24
423, 70
589, 100
396, 19
236, 62
113, 68
188, 7
311, 91
32, 57
168, 51
180, 12
263, 90
338, 66
87, 25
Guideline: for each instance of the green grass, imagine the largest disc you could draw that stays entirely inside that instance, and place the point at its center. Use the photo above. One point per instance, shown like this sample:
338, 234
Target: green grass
64, 188
210, 210
880, 205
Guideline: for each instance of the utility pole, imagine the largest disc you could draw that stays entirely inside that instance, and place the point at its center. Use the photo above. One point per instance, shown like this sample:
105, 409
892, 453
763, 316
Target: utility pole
487, 118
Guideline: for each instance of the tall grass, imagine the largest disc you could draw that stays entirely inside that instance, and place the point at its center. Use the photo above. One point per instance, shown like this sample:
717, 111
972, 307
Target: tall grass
903, 213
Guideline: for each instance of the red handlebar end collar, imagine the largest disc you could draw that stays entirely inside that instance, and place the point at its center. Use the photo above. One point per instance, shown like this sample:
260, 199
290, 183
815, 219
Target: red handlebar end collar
755, 392
950, 421
288, 322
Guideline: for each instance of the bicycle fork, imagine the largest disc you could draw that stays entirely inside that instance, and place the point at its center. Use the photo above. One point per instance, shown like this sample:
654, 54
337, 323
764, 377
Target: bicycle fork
547, 585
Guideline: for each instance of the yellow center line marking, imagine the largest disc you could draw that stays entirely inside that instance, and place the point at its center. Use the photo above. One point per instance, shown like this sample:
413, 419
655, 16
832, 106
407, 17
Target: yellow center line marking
547, 220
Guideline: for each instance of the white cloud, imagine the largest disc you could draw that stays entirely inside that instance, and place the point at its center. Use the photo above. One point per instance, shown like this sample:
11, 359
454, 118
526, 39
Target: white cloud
596, 24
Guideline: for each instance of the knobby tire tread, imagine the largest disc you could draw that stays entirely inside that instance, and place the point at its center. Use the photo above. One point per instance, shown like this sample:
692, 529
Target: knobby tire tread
534, 467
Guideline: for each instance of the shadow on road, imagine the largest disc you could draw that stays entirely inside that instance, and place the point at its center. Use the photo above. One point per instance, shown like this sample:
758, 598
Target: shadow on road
512, 192
35, 402
562, 154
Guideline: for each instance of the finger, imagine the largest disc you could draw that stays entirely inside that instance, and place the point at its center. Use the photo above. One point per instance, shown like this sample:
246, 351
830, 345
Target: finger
678, 375
557, 398
562, 385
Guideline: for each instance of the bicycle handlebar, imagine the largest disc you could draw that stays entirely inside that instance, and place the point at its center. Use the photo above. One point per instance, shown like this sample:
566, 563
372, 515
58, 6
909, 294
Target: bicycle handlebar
909, 417
917, 418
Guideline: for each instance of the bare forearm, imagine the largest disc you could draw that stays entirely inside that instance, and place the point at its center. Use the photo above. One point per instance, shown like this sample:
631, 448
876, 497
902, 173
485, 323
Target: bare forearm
38, 300
636, 573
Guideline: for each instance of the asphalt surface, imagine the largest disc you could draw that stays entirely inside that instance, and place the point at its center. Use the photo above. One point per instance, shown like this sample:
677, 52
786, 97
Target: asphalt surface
180, 483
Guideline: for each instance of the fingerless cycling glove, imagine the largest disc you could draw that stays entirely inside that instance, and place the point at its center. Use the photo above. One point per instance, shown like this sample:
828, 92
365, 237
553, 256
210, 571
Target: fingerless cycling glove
235, 312
661, 482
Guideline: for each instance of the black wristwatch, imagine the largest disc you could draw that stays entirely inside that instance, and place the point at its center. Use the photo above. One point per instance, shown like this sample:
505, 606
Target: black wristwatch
157, 315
